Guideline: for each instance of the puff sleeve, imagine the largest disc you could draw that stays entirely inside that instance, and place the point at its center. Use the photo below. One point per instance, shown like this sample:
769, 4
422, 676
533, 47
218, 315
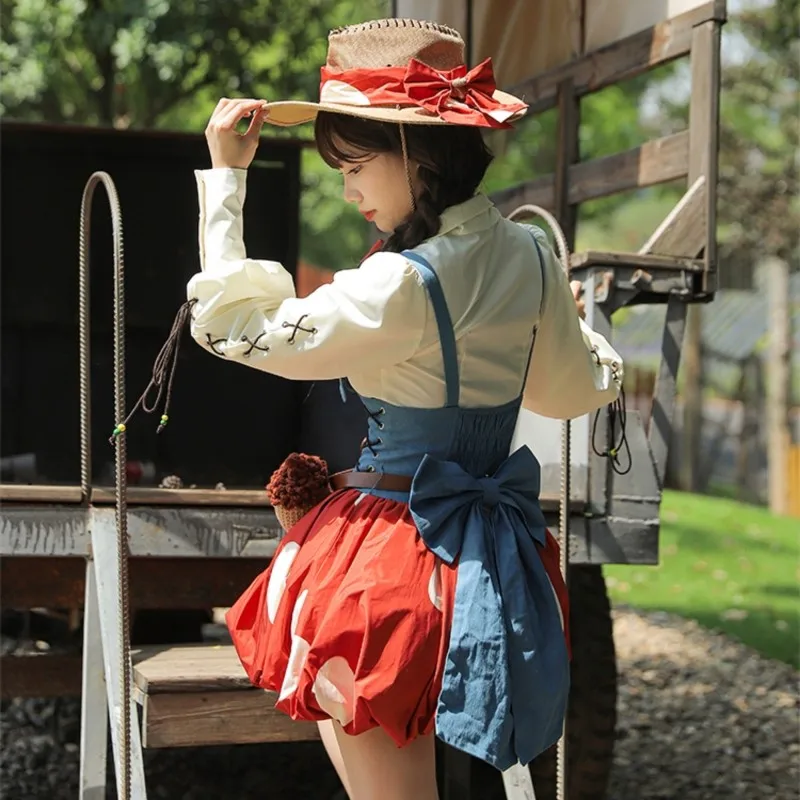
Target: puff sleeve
573, 369
246, 309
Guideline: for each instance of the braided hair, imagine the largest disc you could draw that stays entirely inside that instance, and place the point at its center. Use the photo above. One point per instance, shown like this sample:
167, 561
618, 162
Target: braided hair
451, 159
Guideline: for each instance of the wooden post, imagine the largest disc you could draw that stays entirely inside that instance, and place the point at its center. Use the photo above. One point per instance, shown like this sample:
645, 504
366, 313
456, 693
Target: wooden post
703, 147
692, 428
567, 154
778, 385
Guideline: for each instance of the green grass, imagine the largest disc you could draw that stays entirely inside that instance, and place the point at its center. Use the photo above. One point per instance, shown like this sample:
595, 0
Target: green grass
730, 566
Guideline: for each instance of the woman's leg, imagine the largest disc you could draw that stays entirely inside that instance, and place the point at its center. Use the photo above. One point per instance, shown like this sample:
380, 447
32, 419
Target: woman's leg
376, 768
328, 735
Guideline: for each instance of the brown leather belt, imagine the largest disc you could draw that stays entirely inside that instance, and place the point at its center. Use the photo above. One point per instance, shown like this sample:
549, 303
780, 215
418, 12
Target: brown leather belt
350, 479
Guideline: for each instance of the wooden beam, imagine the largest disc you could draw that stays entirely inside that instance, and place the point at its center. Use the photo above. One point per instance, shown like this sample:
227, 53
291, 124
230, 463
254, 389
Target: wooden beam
40, 675
42, 582
621, 60
600, 258
156, 583
684, 230
137, 495
219, 718
658, 161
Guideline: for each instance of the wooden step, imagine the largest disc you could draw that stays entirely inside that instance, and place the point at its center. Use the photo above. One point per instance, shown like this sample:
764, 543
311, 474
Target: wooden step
195, 695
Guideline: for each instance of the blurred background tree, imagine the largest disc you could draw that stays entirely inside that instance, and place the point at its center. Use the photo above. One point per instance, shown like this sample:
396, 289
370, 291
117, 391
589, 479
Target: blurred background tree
164, 63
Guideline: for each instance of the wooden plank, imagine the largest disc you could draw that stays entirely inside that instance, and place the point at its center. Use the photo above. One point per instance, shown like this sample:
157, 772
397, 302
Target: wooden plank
46, 582
188, 668
683, 231
646, 261
621, 60
211, 532
191, 532
61, 530
219, 718
156, 583
137, 495
40, 675
657, 161
21, 493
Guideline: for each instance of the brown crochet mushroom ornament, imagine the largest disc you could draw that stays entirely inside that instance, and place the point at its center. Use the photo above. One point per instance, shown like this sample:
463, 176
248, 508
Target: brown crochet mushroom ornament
300, 483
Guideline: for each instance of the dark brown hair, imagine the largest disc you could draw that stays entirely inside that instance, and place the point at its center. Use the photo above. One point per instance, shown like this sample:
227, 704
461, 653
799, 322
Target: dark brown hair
452, 162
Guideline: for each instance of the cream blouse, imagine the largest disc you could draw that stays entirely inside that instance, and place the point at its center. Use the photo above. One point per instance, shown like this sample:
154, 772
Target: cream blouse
375, 325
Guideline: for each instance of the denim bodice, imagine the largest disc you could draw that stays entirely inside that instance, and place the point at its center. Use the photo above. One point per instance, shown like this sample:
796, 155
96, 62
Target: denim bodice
506, 677
478, 439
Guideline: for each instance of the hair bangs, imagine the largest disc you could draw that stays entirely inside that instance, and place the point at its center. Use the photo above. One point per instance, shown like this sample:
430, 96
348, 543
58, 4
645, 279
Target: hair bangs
342, 139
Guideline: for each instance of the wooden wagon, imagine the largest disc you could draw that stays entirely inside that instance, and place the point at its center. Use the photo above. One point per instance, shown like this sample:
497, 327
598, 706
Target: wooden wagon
194, 549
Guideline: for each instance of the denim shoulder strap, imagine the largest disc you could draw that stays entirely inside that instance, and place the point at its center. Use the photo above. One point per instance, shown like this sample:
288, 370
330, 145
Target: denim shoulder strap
444, 323
540, 256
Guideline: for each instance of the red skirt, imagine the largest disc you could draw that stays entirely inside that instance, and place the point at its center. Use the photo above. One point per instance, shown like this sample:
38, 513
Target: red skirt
351, 620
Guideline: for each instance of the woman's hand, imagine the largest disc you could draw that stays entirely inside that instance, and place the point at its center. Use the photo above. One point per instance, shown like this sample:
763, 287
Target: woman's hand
577, 291
227, 146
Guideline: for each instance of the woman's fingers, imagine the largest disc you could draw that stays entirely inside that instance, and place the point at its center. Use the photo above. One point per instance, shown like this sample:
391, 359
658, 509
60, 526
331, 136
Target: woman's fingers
228, 147
256, 123
230, 116
577, 292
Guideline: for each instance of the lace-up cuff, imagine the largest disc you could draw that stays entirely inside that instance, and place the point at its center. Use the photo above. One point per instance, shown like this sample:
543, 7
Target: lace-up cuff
245, 309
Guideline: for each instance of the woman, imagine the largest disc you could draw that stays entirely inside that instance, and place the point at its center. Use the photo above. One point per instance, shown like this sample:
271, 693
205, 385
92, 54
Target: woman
424, 593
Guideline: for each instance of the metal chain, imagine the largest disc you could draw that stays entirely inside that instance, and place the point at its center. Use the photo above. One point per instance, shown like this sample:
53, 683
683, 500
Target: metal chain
531, 210
123, 598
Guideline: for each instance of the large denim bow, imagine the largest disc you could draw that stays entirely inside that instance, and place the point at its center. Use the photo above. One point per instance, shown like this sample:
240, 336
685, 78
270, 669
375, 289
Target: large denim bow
506, 678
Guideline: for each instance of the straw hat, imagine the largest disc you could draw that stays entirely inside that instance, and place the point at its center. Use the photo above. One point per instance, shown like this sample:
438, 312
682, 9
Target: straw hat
403, 70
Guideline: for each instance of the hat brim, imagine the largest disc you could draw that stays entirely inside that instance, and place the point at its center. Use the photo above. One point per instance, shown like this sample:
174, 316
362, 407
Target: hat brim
288, 113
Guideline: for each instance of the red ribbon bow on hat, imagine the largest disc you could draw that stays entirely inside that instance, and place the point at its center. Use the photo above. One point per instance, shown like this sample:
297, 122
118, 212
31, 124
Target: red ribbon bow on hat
452, 94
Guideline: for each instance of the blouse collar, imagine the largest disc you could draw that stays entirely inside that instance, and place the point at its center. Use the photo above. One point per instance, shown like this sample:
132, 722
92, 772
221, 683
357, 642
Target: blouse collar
474, 214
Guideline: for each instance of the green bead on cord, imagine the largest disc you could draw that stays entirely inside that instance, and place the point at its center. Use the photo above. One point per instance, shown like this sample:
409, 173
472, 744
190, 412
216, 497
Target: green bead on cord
163, 423
119, 429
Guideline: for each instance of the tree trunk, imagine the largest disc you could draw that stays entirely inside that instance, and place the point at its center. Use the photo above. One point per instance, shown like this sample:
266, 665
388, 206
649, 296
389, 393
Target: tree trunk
778, 385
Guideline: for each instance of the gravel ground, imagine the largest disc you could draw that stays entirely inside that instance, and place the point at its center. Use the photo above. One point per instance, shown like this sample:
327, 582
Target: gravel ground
701, 717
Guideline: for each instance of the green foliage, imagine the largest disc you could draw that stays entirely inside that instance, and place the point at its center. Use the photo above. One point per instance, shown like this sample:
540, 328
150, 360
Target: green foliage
160, 63
758, 190
759, 139
610, 123
165, 63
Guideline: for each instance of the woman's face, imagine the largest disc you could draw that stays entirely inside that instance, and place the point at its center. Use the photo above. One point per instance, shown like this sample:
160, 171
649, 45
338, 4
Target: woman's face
379, 187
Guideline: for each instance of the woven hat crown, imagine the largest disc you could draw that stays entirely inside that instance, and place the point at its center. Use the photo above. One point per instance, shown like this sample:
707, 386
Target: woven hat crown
393, 43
